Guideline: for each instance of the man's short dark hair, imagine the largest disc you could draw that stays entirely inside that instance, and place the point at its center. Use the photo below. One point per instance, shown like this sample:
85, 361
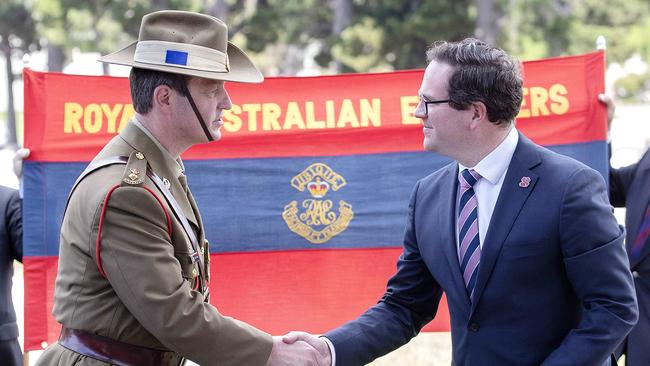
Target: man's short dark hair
481, 74
143, 82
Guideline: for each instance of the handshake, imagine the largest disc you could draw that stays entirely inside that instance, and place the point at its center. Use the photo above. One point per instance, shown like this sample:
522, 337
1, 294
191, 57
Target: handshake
300, 348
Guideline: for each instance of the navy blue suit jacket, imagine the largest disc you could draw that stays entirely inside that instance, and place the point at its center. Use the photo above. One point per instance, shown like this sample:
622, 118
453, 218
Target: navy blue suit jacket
630, 187
553, 288
11, 247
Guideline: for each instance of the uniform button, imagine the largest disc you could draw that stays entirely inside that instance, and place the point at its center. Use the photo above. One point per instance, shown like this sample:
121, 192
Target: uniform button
636, 274
474, 327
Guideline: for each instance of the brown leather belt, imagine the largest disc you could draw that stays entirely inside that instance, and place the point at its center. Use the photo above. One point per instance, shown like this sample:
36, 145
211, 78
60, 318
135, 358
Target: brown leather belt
111, 351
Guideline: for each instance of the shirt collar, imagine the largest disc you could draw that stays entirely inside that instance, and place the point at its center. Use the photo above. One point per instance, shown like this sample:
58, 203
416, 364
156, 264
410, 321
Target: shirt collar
177, 164
494, 165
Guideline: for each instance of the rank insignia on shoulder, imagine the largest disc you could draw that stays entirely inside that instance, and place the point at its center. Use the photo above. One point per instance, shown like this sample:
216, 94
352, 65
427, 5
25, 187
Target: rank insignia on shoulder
136, 170
134, 174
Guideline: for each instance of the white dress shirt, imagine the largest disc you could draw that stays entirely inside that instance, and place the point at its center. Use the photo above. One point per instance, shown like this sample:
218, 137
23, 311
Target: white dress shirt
492, 169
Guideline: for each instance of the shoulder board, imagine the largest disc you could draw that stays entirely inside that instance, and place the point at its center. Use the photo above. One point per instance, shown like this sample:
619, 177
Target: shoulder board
136, 170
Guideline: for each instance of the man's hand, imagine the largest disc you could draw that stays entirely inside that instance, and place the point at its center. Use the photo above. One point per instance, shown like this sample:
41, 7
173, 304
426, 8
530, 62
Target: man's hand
20, 155
325, 356
611, 108
295, 353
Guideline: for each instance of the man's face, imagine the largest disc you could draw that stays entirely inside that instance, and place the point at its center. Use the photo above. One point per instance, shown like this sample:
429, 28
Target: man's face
445, 128
211, 99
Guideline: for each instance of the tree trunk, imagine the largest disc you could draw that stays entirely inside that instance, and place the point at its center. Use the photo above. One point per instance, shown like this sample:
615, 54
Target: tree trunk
513, 27
342, 15
486, 22
219, 9
55, 57
11, 113
341, 20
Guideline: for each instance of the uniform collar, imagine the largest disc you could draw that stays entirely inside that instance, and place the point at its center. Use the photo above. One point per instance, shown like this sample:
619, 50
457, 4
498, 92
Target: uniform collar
158, 158
166, 159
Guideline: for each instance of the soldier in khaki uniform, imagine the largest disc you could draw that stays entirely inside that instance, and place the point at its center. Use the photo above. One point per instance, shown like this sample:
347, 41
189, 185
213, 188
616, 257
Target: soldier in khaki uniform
132, 282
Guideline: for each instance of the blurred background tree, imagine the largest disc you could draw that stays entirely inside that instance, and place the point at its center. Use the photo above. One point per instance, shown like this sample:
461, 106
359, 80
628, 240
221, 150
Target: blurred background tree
358, 35
17, 37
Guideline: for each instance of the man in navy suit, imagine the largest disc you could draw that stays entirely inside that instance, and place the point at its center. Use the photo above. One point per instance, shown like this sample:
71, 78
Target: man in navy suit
520, 239
629, 187
11, 247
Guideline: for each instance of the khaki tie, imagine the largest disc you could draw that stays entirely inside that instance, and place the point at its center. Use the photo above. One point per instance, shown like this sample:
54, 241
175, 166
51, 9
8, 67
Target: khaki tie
182, 179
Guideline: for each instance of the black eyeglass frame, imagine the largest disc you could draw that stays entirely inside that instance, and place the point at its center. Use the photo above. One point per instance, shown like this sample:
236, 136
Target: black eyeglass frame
427, 102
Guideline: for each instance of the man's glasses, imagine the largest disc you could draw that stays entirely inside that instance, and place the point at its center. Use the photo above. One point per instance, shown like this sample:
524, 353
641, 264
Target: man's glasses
427, 102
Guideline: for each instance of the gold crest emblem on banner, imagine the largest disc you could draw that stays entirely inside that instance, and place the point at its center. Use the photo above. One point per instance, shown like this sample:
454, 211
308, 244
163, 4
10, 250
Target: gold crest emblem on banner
318, 223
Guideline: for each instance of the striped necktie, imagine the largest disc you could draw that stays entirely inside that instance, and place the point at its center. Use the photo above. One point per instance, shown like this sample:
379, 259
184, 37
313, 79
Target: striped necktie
468, 237
642, 237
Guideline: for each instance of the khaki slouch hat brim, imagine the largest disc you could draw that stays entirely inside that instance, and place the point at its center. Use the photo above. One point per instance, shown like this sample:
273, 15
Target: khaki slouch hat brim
187, 43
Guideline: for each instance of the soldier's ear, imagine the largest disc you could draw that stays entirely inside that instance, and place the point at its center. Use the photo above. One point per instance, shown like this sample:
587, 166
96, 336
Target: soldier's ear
162, 96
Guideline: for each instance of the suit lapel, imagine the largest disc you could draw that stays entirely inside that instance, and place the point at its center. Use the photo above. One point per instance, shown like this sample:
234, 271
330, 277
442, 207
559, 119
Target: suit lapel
511, 200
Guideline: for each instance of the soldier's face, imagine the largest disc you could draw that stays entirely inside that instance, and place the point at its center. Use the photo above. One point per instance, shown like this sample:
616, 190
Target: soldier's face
211, 99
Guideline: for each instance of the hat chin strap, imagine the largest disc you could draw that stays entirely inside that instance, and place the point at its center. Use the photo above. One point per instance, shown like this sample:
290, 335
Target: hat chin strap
186, 91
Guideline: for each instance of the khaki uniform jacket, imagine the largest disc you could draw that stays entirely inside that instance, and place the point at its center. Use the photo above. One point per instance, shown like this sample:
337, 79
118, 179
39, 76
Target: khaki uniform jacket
146, 298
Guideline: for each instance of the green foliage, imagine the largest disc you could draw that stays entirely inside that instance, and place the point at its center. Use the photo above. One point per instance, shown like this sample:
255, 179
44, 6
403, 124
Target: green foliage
535, 28
532, 48
382, 34
633, 86
638, 39
97, 25
360, 47
263, 28
409, 27
624, 23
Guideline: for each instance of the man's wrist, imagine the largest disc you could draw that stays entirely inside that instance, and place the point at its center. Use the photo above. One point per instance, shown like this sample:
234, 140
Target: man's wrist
330, 345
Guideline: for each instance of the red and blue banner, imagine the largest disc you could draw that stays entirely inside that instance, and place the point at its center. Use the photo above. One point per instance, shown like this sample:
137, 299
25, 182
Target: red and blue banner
304, 199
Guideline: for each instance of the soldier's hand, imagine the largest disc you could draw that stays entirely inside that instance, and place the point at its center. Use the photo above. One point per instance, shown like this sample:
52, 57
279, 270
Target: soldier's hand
296, 354
21, 154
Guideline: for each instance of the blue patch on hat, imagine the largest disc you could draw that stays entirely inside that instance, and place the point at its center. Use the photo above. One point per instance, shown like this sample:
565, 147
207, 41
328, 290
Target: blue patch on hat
176, 57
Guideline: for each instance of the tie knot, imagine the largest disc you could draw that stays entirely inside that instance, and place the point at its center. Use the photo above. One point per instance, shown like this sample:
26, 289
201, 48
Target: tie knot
469, 177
